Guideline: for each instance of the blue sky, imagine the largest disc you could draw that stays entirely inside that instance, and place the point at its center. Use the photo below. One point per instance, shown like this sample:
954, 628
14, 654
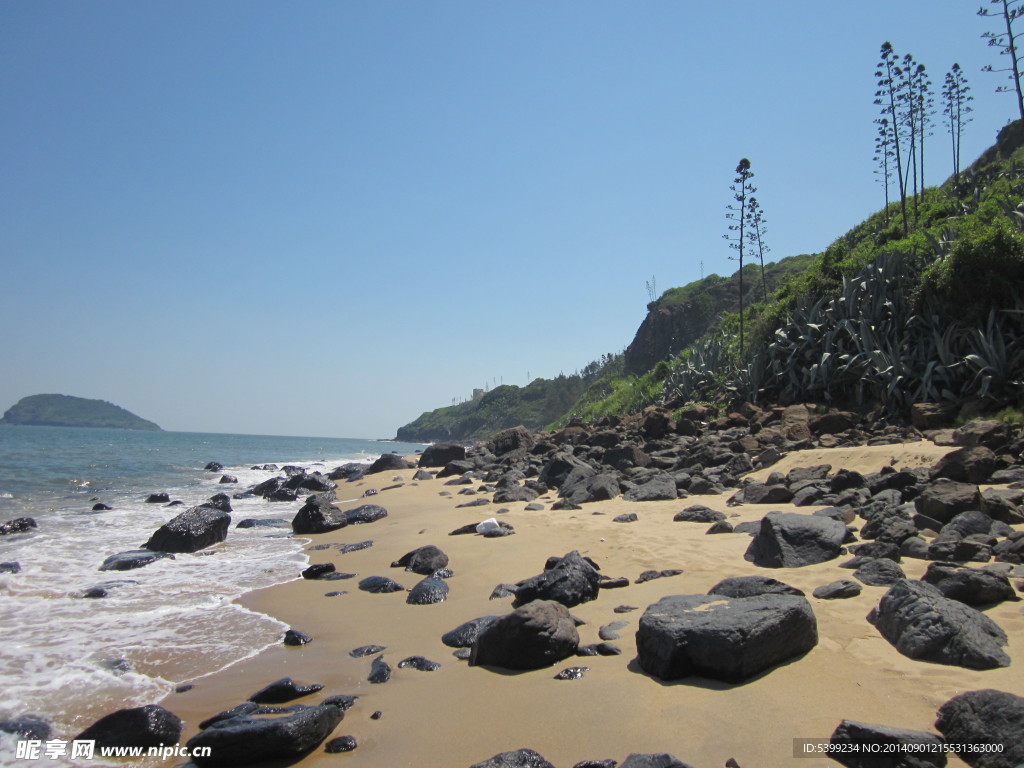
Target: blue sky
323, 218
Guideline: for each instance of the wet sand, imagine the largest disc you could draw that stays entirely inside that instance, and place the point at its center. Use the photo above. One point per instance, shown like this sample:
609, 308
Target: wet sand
460, 715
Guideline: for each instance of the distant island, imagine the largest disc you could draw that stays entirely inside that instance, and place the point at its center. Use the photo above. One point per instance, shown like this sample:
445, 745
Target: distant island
68, 411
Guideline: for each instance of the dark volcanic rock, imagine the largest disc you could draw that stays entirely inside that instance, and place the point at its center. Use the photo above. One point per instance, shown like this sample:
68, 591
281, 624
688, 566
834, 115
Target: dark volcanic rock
585, 486
318, 571
18, 525
535, 635
923, 624
558, 468
420, 663
192, 530
969, 585
265, 734
160, 497
759, 493
879, 572
283, 690
365, 650
656, 760
984, 719
514, 441
967, 465
652, 575
340, 744
698, 513
28, 727
464, 635
149, 726
133, 558
389, 462
380, 671
888, 750
570, 581
838, 590
294, 637
514, 493
367, 513
380, 585
422, 560
428, 592
944, 499
792, 540
318, 515
723, 638
572, 673
439, 454
11, 566
521, 758
659, 487
750, 586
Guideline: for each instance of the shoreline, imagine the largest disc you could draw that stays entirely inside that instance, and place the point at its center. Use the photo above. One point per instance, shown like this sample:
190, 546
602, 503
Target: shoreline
461, 715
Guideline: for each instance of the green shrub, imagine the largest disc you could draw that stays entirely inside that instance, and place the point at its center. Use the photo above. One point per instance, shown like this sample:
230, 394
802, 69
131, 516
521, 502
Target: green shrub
984, 270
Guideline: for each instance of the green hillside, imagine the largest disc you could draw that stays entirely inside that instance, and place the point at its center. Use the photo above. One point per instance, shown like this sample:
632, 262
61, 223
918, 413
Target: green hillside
68, 411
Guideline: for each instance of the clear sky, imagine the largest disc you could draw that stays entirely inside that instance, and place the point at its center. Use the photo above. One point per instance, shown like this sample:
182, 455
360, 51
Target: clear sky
326, 217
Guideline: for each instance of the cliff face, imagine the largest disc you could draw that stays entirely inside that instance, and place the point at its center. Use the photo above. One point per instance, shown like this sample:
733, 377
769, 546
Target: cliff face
664, 332
682, 315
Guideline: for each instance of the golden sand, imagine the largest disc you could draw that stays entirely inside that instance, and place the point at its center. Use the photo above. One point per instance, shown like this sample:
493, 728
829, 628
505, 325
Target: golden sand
460, 715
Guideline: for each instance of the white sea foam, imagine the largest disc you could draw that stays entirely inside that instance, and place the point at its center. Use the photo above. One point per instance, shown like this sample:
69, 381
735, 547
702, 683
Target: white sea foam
72, 660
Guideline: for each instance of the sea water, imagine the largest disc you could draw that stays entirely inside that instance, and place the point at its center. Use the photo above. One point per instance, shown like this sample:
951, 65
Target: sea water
71, 659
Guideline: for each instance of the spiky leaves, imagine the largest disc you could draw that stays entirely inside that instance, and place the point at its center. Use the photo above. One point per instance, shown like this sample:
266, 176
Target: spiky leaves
1009, 11
736, 213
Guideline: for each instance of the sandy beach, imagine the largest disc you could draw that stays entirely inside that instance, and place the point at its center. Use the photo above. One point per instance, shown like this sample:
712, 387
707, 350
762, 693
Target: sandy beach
460, 715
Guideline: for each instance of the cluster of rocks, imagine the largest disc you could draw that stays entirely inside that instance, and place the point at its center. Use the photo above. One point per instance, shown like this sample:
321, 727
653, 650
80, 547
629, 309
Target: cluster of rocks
650, 456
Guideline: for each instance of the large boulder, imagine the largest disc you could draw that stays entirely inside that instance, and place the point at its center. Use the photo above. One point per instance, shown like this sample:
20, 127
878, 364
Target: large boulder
464, 635
571, 580
439, 454
887, 747
750, 586
318, 515
659, 487
389, 462
923, 624
558, 468
985, 720
149, 726
515, 441
192, 530
944, 499
533, 636
422, 560
264, 734
792, 540
974, 464
584, 485
723, 638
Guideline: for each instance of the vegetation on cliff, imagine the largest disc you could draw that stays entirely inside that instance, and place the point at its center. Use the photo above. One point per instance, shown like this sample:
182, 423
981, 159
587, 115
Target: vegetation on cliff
68, 411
